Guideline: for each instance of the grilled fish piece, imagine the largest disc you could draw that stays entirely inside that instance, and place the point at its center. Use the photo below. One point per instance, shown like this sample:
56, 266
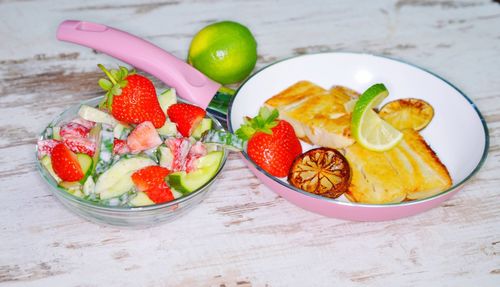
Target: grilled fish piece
411, 170
318, 116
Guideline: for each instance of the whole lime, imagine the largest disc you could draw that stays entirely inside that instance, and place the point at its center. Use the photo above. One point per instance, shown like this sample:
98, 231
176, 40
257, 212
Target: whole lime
225, 51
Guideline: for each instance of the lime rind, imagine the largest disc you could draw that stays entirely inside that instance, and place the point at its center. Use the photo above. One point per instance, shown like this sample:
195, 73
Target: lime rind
369, 130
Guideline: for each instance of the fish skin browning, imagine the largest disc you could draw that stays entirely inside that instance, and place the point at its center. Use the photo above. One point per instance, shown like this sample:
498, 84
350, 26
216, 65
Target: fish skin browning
317, 115
409, 171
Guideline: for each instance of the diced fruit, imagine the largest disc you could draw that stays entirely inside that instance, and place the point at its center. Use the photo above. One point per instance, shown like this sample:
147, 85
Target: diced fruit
47, 163
56, 133
204, 126
86, 123
151, 180
73, 130
367, 127
160, 194
349, 105
180, 149
104, 157
131, 98
272, 144
195, 152
143, 137
410, 113
168, 129
117, 179
121, 131
206, 169
166, 157
149, 177
186, 116
45, 147
86, 163
224, 139
80, 145
89, 186
322, 171
167, 98
120, 147
141, 199
95, 115
65, 164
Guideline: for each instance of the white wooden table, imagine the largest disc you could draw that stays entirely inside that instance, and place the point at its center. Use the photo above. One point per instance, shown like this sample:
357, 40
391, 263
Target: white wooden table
243, 234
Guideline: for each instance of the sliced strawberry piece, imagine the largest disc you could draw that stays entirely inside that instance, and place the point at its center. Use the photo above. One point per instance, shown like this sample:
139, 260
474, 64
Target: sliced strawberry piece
149, 177
80, 145
160, 194
65, 163
74, 130
84, 122
120, 147
143, 137
197, 150
186, 116
180, 148
45, 147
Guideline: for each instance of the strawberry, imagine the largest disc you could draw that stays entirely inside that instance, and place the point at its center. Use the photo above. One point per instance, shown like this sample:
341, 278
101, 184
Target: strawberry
143, 137
272, 144
180, 148
73, 129
120, 147
197, 150
131, 98
45, 147
65, 163
80, 145
186, 116
83, 122
151, 180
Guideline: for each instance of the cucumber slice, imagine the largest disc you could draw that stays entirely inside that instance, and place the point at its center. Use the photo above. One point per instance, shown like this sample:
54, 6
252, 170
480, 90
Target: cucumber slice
168, 129
167, 98
225, 139
104, 153
56, 133
95, 115
47, 163
203, 126
86, 163
141, 199
166, 157
121, 131
207, 167
117, 179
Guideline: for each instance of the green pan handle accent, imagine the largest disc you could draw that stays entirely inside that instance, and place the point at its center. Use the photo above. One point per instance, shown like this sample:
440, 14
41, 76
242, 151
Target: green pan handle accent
219, 104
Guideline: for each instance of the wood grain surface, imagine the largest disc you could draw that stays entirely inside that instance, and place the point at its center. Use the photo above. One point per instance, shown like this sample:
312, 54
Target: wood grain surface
243, 234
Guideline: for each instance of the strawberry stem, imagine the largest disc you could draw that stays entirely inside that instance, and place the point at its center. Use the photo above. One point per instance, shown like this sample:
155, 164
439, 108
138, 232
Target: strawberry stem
111, 78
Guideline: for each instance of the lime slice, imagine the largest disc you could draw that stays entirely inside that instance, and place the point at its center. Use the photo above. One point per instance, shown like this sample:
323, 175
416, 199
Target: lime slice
367, 127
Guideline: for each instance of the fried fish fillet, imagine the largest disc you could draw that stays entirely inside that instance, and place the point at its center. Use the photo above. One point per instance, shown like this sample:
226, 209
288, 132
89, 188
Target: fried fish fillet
411, 170
318, 116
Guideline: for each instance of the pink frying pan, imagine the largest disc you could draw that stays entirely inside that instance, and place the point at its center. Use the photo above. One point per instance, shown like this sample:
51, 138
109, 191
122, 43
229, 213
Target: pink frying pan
458, 132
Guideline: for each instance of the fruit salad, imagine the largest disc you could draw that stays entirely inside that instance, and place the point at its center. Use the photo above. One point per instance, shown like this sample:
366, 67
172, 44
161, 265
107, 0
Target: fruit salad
133, 149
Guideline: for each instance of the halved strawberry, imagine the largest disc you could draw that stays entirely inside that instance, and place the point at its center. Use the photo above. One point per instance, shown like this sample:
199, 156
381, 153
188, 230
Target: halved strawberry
45, 147
73, 129
120, 147
65, 163
186, 116
151, 180
180, 148
80, 145
143, 137
160, 194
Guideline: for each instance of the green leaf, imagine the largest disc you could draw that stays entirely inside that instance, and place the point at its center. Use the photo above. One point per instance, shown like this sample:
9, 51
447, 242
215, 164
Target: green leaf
105, 84
123, 83
116, 90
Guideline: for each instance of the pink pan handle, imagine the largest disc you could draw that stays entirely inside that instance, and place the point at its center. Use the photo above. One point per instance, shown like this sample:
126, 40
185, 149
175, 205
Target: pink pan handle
190, 84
